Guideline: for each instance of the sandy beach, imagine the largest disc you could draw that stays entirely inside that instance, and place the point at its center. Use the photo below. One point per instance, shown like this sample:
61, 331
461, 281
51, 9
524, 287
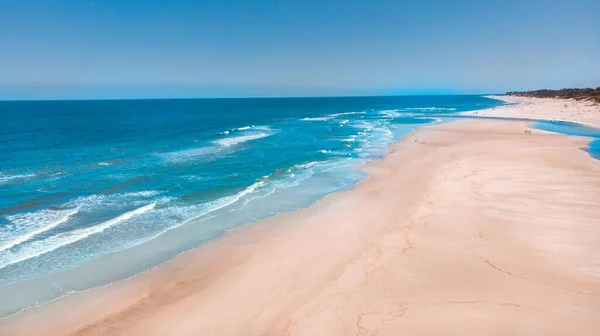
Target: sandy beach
581, 112
467, 228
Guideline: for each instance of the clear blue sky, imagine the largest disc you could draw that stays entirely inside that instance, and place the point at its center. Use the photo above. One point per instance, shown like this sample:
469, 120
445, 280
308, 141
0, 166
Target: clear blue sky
52, 49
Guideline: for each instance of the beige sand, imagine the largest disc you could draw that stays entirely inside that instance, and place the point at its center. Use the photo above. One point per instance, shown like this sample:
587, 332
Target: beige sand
582, 112
468, 228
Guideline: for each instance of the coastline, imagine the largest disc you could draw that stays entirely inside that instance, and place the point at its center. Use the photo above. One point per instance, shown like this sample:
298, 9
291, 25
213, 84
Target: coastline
528, 108
389, 264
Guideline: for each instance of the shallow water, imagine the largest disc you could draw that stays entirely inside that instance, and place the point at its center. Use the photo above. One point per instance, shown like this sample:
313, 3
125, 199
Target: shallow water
92, 192
573, 129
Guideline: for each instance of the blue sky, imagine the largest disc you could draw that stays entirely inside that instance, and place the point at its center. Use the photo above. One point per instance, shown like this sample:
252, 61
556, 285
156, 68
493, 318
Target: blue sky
245, 48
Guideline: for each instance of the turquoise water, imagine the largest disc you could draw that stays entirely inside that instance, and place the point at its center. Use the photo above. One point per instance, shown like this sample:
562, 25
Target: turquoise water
574, 129
95, 191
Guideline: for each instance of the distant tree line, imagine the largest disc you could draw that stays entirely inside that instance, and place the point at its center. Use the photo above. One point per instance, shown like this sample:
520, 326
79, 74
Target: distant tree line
577, 94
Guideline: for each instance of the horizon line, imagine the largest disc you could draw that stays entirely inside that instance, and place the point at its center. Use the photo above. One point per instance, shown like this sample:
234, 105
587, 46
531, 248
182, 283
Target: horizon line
265, 97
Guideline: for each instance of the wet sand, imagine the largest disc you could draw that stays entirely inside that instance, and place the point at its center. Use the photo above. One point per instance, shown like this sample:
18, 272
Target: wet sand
473, 227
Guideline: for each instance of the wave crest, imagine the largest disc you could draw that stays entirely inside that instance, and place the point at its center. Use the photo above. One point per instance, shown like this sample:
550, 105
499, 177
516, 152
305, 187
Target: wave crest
40, 247
335, 115
317, 119
29, 225
232, 141
7, 178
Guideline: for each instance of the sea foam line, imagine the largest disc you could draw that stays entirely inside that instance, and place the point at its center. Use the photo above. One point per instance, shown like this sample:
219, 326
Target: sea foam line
226, 142
429, 109
207, 208
391, 113
361, 124
24, 226
334, 115
219, 147
245, 128
223, 202
18, 221
38, 248
317, 119
185, 155
5, 178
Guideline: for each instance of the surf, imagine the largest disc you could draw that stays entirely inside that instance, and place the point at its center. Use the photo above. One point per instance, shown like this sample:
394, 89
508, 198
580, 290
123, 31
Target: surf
41, 247
30, 224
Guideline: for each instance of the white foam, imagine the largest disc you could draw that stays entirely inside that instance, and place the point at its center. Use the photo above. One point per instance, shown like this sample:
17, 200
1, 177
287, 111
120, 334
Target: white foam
303, 165
375, 142
193, 178
245, 128
317, 119
429, 109
143, 193
40, 247
90, 202
263, 187
334, 115
391, 113
192, 213
296, 175
26, 226
192, 154
361, 124
6, 178
229, 200
226, 142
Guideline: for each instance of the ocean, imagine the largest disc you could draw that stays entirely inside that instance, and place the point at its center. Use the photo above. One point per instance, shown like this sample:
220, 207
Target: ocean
93, 192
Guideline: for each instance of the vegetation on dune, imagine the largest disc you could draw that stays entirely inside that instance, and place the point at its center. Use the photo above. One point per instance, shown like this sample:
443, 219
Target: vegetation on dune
577, 94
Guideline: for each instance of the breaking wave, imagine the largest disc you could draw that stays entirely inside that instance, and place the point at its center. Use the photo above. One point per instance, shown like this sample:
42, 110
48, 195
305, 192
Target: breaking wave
40, 247
23, 227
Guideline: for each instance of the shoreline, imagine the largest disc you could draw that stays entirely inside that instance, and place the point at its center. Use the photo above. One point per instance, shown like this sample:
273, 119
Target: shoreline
555, 109
169, 291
